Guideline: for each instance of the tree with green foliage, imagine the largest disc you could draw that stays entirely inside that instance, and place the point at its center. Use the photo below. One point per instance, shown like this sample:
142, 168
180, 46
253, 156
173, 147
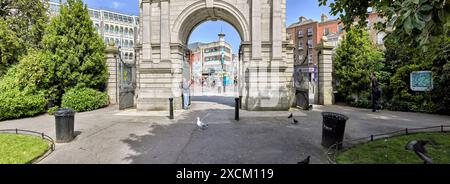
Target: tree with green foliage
356, 57
75, 52
441, 71
412, 21
22, 25
20, 91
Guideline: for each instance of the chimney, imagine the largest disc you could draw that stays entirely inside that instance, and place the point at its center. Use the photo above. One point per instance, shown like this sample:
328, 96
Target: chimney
324, 18
302, 19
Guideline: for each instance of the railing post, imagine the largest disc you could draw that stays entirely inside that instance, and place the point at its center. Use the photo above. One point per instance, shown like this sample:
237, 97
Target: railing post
171, 108
236, 109
442, 128
17, 131
371, 137
240, 102
406, 131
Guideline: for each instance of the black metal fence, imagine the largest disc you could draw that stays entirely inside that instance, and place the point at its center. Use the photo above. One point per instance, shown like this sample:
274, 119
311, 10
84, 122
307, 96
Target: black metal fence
333, 150
37, 134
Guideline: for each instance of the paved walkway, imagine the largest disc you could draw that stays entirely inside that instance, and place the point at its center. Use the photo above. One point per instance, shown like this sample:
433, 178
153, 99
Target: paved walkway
111, 136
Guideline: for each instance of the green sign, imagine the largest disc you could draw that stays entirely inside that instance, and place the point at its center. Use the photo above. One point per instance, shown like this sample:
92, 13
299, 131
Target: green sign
421, 81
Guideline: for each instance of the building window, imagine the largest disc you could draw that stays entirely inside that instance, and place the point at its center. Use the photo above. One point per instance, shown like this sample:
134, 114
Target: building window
300, 33
106, 28
131, 31
131, 44
310, 58
340, 28
310, 43
380, 38
106, 40
300, 44
369, 24
310, 31
326, 32
126, 31
126, 43
117, 30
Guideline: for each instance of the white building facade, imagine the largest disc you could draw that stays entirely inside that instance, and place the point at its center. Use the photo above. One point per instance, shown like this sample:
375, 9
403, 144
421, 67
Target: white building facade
118, 28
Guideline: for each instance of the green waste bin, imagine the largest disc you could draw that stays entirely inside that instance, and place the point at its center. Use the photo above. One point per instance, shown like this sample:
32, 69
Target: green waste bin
64, 125
333, 129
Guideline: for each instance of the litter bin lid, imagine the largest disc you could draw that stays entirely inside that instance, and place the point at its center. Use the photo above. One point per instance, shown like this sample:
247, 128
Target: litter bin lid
335, 115
64, 112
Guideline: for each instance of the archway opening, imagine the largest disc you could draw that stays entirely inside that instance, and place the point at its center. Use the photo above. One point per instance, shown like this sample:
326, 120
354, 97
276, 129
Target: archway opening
213, 62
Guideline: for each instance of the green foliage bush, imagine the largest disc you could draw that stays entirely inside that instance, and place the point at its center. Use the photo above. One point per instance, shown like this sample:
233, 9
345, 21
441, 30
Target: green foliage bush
20, 95
84, 99
18, 104
356, 57
76, 52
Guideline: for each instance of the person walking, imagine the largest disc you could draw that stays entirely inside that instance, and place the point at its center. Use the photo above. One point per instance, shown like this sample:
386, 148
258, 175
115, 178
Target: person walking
376, 92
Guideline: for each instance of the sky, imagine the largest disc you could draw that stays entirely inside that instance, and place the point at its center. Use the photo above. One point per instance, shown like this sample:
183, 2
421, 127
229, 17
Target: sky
207, 31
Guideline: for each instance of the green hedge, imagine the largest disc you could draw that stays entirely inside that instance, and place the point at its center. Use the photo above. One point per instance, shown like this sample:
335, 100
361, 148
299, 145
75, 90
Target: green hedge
18, 104
84, 99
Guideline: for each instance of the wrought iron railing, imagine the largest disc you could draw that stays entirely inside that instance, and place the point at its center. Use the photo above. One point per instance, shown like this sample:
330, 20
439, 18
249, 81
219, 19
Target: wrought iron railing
333, 150
34, 133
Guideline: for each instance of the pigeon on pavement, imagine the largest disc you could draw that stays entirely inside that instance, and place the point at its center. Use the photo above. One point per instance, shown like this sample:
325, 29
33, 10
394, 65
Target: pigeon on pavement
304, 162
201, 125
290, 116
295, 121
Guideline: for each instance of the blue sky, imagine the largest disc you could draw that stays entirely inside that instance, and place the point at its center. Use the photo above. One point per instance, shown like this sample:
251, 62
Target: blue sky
207, 32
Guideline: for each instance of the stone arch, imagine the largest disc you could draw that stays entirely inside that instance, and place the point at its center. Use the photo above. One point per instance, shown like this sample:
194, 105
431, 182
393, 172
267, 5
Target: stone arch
197, 13
161, 50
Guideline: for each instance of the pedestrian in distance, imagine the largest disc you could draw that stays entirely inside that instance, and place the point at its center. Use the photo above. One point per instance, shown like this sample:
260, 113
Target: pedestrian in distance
376, 91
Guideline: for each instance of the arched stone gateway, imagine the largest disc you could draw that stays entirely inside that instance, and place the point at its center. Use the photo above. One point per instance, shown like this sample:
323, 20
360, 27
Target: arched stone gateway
265, 54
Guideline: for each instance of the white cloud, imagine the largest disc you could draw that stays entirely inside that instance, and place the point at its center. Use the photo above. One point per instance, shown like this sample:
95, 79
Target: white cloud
116, 4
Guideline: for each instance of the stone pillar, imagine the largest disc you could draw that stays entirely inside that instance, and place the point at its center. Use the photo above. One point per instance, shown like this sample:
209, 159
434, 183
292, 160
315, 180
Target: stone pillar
146, 31
256, 29
325, 68
112, 86
165, 31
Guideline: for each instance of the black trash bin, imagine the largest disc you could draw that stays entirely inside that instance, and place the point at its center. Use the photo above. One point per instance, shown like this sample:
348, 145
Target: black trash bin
64, 122
333, 129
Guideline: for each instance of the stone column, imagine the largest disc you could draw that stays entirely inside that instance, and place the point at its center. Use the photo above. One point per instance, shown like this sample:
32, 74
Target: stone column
165, 31
146, 31
112, 86
256, 29
325, 68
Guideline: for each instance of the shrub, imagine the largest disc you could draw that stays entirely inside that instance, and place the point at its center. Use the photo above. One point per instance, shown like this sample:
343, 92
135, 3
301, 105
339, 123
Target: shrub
20, 95
18, 104
355, 58
76, 52
84, 99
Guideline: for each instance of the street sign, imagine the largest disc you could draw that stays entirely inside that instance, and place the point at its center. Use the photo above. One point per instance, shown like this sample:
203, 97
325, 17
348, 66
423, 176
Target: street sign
421, 81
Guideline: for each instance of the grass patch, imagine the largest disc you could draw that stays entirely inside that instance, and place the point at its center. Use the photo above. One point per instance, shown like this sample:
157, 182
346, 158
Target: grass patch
392, 150
21, 149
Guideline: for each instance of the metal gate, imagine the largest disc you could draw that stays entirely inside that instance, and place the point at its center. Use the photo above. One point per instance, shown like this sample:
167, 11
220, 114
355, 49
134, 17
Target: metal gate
126, 84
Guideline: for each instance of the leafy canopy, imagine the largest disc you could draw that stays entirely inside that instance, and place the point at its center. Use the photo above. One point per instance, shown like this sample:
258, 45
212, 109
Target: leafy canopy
22, 25
419, 21
75, 52
356, 57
